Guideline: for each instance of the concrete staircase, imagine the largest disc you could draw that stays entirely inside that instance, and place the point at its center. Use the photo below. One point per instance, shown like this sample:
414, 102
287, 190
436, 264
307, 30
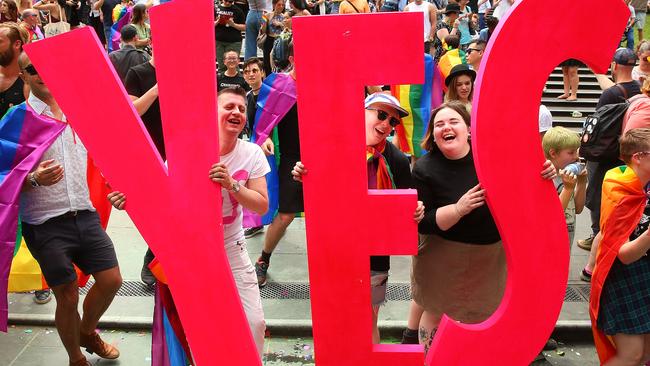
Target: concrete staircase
588, 94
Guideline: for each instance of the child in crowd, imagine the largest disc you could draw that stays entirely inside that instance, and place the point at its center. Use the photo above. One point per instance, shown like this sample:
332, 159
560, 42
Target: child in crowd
561, 148
620, 294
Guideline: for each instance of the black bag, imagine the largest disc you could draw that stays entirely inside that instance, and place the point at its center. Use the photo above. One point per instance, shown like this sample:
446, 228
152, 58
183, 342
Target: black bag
601, 131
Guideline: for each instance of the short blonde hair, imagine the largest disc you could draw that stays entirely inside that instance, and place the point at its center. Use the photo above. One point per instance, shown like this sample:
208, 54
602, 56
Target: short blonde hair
634, 141
559, 138
645, 88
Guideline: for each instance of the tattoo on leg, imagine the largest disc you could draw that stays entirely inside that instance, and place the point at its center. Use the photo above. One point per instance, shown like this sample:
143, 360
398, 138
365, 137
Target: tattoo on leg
426, 338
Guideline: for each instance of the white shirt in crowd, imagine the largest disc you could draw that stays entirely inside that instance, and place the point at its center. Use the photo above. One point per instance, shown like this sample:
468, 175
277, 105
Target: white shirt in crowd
501, 10
71, 193
422, 8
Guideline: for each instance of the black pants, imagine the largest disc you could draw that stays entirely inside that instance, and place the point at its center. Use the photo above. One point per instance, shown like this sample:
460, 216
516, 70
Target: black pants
268, 47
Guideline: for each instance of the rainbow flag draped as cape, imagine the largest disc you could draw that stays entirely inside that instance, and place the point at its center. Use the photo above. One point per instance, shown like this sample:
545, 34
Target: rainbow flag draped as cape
25, 274
419, 100
120, 19
622, 205
277, 96
24, 137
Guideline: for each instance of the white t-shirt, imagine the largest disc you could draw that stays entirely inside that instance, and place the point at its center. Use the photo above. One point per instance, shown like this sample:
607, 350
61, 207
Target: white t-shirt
637, 74
502, 9
484, 7
422, 8
246, 161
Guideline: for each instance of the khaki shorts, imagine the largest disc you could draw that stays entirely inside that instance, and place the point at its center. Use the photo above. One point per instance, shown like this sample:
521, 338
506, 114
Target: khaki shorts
640, 20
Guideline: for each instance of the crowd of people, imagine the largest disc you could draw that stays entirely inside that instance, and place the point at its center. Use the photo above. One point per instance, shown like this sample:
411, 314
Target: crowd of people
460, 269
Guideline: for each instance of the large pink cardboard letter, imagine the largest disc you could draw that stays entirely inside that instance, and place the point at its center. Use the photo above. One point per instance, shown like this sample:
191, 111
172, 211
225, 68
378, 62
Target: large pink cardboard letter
508, 158
345, 223
177, 210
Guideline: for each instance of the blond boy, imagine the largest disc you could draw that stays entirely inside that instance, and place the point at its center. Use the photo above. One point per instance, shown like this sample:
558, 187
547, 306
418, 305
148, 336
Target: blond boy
561, 148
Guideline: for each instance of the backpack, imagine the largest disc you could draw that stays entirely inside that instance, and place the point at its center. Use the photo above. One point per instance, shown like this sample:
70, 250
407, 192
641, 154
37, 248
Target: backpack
601, 131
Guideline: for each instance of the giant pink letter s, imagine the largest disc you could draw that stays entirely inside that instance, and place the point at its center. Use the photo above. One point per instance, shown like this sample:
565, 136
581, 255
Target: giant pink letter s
177, 210
528, 44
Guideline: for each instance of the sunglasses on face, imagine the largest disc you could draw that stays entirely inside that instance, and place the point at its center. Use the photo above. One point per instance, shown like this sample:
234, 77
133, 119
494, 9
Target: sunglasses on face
381, 115
470, 50
30, 69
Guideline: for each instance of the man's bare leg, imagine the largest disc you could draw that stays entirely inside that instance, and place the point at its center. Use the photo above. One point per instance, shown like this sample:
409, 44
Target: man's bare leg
67, 320
99, 297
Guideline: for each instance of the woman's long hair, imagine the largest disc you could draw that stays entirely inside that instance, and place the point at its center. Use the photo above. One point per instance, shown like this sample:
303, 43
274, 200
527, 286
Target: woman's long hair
12, 11
139, 12
452, 94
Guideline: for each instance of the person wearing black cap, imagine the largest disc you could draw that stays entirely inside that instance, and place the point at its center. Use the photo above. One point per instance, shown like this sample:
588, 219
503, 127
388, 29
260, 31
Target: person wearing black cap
388, 168
460, 85
624, 88
445, 27
128, 55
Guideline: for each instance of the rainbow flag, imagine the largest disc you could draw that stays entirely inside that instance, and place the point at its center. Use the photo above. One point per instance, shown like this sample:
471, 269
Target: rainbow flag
450, 59
277, 96
24, 137
169, 346
121, 17
419, 100
622, 205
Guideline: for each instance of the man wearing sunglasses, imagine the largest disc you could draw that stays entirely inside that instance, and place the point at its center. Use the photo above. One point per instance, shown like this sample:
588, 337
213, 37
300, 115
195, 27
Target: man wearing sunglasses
475, 53
30, 24
388, 168
229, 22
61, 227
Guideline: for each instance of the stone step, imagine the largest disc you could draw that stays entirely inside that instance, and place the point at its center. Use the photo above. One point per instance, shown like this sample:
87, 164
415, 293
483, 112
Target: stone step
571, 123
583, 77
553, 101
587, 85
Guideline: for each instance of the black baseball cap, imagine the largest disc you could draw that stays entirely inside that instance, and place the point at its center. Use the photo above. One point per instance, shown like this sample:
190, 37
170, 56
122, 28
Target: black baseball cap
452, 8
625, 56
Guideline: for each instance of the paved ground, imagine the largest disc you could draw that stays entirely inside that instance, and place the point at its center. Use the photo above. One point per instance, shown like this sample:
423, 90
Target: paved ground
30, 345
39, 346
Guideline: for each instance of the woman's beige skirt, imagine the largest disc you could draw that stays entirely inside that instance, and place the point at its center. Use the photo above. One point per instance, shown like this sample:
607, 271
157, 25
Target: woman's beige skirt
464, 281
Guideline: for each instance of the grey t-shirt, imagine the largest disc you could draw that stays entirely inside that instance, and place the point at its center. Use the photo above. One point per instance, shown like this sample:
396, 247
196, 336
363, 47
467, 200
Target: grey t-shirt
259, 5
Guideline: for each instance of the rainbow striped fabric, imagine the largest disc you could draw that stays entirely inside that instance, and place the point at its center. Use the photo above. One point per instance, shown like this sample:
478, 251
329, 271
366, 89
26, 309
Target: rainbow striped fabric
450, 59
622, 205
169, 346
277, 96
120, 19
24, 137
419, 100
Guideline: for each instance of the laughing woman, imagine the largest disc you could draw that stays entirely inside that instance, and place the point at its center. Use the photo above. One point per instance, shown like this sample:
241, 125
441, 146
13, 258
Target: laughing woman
460, 269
